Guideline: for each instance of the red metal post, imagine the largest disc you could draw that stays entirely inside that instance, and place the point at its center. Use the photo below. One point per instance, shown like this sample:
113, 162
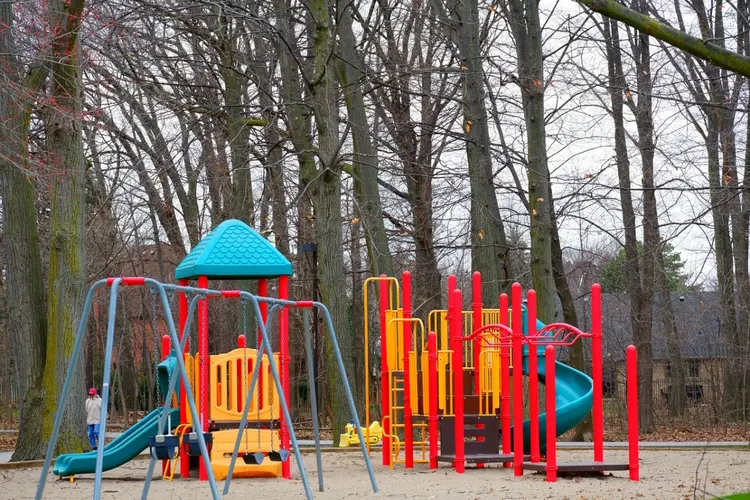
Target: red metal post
384, 382
533, 377
597, 359
632, 373
184, 461
204, 368
456, 321
549, 358
432, 357
476, 306
451, 287
505, 379
408, 426
286, 470
517, 380
165, 464
262, 292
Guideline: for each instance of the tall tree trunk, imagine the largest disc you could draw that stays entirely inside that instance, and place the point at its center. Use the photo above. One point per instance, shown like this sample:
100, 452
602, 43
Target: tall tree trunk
67, 280
365, 167
640, 317
489, 247
24, 275
527, 31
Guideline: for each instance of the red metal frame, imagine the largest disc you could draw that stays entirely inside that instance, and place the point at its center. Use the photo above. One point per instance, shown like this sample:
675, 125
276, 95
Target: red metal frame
597, 360
286, 470
384, 382
533, 377
476, 306
632, 374
505, 381
517, 380
184, 460
432, 357
262, 292
456, 334
204, 368
549, 358
408, 425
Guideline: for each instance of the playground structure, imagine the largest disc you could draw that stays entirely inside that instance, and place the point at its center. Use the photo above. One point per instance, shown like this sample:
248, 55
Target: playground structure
453, 389
214, 410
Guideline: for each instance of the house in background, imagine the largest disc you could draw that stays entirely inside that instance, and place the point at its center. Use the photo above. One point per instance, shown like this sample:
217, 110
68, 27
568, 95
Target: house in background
697, 318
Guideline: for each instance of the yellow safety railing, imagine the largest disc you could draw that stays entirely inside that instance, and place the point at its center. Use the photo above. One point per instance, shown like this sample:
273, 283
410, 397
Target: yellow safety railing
395, 329
394, 299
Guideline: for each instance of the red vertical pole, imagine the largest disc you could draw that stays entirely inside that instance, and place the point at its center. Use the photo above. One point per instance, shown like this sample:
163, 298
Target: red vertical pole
451, 287
262, 292
632, 373
533, 376
204, 368
408, 427
286, 470
456, 321
184, 462
597, 359
505, 379
517, 381
432, 357
384, 382
476, 306
165, 464
549, 358
241, 342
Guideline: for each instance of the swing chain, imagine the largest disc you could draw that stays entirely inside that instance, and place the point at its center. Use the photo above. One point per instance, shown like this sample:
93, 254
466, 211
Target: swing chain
156, 342
258, 359
243, 313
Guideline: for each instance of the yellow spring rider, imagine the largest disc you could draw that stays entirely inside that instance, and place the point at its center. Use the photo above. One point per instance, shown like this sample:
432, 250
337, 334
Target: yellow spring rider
351, 438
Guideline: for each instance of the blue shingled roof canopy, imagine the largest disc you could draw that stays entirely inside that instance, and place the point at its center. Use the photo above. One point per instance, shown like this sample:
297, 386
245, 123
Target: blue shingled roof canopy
233, 250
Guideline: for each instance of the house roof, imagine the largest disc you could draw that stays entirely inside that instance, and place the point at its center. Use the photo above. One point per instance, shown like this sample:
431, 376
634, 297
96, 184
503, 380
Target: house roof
233, 250
697, 318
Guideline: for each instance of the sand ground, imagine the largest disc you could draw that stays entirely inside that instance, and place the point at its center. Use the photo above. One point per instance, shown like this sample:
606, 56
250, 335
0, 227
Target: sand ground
664, 475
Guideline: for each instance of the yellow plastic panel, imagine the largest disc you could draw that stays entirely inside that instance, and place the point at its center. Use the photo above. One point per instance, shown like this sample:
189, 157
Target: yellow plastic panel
226, 379
223, 446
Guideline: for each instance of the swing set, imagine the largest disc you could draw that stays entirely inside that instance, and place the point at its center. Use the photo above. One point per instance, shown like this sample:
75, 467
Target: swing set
203, 421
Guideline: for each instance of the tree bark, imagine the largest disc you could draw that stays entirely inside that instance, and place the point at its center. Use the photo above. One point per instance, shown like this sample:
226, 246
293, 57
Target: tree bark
365, 166
67, 280
24, 278
523, 16
489, 247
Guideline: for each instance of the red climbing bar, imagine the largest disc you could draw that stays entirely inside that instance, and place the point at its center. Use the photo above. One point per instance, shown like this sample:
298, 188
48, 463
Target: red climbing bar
533, 377
549, 358
476, 306
597, 360
286, 470
517, 380
384, 303
505, 380
632, 373
432, 380
204, 406
408, 425
262, 292
127, 280
456, 321
184, 461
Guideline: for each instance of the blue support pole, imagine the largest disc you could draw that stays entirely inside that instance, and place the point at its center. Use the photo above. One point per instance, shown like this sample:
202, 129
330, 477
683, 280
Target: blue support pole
112, 316
248, 397
66, 387
313, 397
186, 383
170, 392
350, 399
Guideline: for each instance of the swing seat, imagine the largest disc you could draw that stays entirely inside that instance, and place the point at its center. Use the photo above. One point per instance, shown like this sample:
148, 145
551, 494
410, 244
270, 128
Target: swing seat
164, 447
278, 456
193, 445
253, 458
